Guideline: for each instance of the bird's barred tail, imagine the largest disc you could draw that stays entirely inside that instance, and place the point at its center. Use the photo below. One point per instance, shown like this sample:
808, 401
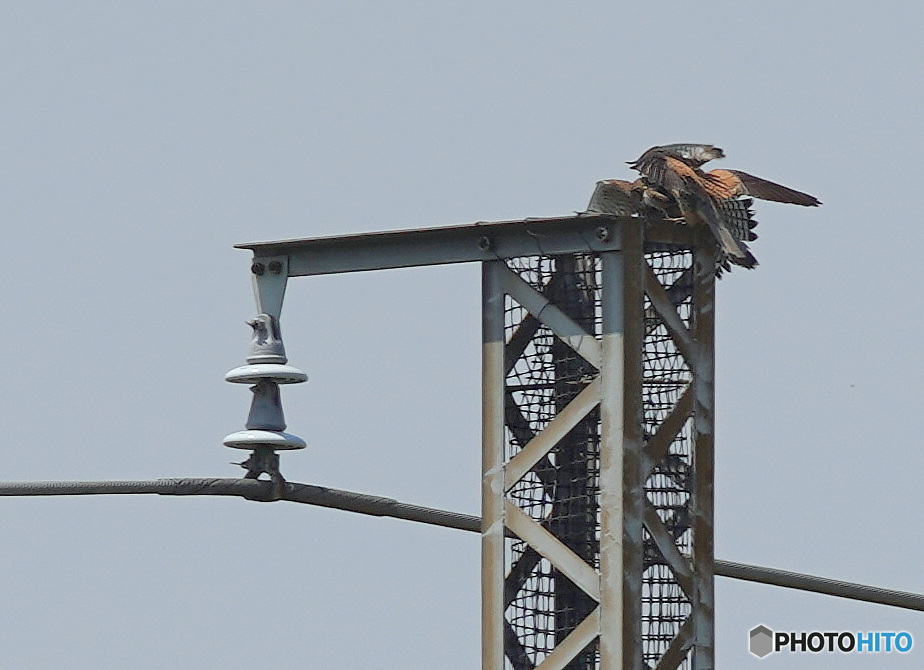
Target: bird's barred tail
731, 246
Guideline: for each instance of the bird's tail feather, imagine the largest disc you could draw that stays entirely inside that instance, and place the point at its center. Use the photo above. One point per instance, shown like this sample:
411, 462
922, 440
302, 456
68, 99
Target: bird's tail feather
737, 251
704, 209
699, 208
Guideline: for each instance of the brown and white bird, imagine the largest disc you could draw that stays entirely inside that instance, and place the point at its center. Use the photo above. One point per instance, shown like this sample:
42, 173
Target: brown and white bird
675, 169
713, 198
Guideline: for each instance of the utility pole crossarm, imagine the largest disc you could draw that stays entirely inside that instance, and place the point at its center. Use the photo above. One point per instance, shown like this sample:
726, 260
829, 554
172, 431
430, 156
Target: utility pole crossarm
459, 244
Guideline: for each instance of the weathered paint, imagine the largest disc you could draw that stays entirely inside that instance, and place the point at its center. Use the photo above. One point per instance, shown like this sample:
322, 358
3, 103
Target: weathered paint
492, 492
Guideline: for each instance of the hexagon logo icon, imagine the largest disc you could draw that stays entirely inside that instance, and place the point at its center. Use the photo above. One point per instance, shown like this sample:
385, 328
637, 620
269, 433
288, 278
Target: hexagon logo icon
761, 641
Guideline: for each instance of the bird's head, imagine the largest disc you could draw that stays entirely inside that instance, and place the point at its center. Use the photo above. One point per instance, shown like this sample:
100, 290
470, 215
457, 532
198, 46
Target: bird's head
702, 153
692, 154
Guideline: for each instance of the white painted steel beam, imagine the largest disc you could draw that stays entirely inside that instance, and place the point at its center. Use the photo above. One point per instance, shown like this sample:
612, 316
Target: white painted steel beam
553, 318
573, 644
554, 550
659, 443
492, 492
679, 647
702, 513
612, 474
545, 441
661, 536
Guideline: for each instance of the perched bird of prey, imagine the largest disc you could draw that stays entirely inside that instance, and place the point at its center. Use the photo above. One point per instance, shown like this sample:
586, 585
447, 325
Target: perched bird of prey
712, 198
636, 198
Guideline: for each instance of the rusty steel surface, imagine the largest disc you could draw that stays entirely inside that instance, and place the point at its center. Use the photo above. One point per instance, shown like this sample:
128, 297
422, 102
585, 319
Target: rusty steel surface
633, 485
493, 628
612, 472
702, 512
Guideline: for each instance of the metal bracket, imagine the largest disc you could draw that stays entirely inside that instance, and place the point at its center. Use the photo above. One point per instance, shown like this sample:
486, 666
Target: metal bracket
270, 275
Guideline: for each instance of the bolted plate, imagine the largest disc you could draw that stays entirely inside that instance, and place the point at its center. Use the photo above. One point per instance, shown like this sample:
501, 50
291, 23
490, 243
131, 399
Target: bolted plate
249, 439
251, 374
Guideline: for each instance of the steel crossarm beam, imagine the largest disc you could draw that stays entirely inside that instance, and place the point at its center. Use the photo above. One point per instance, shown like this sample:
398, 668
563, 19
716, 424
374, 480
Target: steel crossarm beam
658, 444
662, 304
583, 634
663, 540
679, 647
545, 441
554, 550
452, 244
551, 316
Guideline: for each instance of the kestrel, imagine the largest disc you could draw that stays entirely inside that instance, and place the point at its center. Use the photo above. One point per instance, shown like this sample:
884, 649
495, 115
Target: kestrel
708, 197
625, 198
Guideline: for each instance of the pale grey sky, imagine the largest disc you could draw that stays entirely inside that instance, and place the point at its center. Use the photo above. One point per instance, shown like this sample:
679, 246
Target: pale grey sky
140, 141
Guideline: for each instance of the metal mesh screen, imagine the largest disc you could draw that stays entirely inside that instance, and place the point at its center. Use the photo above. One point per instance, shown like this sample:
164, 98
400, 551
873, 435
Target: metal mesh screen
543, 605
665, 376
561, 491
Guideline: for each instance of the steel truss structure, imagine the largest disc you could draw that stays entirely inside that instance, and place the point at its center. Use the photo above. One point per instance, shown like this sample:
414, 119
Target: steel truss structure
597, 414
598, 365
598, 455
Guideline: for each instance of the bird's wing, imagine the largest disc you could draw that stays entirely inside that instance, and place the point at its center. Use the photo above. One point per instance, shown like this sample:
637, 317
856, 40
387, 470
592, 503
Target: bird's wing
689, 186
764, 189
723, 184
652, 165
668, 172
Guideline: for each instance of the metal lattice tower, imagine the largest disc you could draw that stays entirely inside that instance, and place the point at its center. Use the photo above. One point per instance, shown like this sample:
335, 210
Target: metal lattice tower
597, 429
597, 414
598, 456
598, 443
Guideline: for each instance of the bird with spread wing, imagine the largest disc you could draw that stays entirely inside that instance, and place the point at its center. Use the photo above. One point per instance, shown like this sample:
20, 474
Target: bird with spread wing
625, 198
672, 181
